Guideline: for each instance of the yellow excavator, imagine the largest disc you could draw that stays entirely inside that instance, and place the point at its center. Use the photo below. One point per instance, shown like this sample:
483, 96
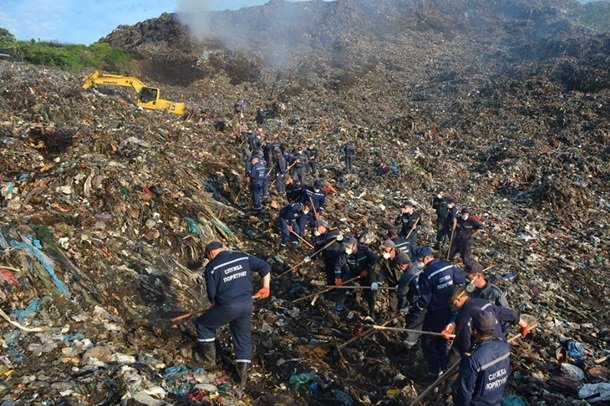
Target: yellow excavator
148, 97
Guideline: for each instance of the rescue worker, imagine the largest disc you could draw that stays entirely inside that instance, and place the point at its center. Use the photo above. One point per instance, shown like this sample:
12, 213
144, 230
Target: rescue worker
439, 204
281, 170
409, 221
312, 157
270, 151
435, 286
479, 287
255, 141
387, 270
483, 372
465, 229
260, 116
228, 282
401, 243
288, 222
451, 216
408, 293
315, 196
467, 307
357, 260
323, 237
348, 150
294, 190
299, 165
258, 182
307, 219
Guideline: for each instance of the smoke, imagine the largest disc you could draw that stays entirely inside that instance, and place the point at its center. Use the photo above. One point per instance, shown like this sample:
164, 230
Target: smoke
272, 32
195, 14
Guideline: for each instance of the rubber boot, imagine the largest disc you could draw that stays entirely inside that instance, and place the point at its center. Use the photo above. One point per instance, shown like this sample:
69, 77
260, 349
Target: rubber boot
242, 373
206, 355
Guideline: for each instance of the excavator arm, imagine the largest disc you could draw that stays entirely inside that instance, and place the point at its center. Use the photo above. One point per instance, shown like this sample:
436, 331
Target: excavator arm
148, 97
98, 78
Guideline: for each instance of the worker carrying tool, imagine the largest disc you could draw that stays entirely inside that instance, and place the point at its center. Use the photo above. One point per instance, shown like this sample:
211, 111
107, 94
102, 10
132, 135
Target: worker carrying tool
485, 370
228, 284
389, 269
435, 286
465, 228
328, 246
357, 260
467, 308
409, 221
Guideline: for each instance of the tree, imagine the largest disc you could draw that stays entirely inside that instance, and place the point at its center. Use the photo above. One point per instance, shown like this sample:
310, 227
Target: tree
6, 38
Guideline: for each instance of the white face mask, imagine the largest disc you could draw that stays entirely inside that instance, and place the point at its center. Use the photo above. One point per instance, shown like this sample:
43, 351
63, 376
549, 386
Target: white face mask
420, 265
349, 251
470, 287
464, 216
386, 255
316, 233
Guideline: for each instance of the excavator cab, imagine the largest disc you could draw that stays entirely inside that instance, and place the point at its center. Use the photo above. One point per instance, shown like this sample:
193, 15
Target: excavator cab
148, 95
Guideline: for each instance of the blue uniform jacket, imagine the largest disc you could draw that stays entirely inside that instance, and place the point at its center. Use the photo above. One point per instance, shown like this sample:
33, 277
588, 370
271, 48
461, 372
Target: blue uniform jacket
291, 212
435, 285
281, 165
330, 255
466, 228
483, 374
228, 277
407, 290
310, 195
463, 330
363, 259
407, 221
258, 173
492, 293
404, 245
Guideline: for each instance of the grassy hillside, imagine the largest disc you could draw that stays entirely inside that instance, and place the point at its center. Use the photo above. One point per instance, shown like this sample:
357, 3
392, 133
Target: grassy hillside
68, 57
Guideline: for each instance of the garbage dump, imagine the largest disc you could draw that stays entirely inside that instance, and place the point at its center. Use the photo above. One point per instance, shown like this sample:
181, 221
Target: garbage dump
106, 209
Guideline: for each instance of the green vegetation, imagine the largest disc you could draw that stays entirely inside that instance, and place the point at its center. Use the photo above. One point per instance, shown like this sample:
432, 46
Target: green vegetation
68, 57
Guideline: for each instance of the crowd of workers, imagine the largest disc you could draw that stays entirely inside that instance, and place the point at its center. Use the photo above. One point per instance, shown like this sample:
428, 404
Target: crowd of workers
440, 302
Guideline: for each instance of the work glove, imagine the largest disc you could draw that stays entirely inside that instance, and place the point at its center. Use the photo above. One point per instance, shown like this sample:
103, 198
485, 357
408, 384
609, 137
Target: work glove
338, 282
374, 286
405, 311
364, 273
448, 331
263, 293
339, 237
290, 229
307, 260
525, 330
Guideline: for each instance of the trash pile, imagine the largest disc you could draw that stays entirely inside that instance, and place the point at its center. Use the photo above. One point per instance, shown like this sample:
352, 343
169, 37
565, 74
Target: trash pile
105, 208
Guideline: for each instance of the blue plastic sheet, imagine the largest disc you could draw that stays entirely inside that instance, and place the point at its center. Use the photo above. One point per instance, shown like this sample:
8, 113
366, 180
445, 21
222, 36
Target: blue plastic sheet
46, 263
301, 379
343, 398
33, 308
11, 339
513, 400
176, 381
192, 226
575, 350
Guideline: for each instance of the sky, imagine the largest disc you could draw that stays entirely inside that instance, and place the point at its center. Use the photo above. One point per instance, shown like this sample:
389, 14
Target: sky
86, 21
